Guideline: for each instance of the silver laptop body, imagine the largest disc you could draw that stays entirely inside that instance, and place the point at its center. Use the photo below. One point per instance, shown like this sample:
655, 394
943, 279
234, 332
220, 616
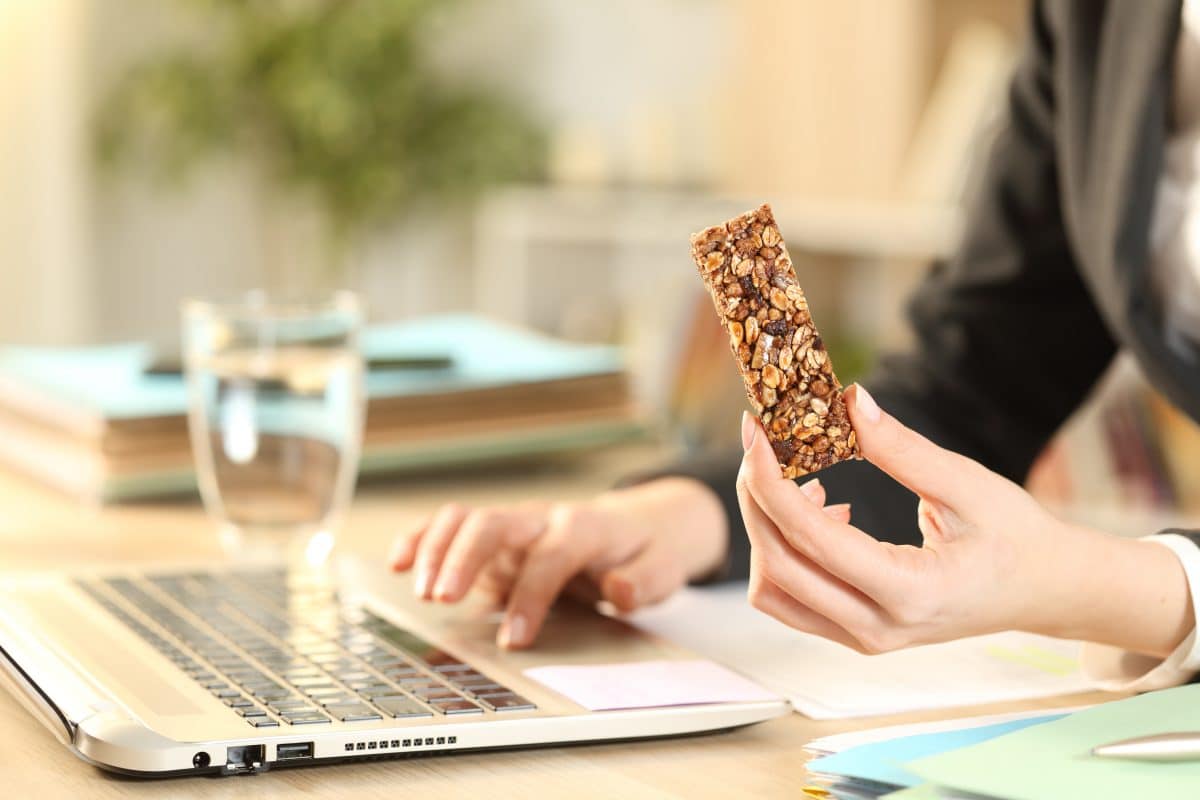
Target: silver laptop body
210, 670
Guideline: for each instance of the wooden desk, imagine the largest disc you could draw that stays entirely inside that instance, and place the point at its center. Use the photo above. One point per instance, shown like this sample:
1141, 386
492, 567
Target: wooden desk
41, 530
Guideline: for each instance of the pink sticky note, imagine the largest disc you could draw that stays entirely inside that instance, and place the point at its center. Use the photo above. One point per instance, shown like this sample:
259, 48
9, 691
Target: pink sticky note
649, 684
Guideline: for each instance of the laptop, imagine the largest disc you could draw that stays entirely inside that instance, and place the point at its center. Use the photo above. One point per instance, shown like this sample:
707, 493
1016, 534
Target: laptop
224, 671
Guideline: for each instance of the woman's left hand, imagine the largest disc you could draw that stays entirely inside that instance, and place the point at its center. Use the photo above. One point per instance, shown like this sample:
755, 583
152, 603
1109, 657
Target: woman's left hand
993, 559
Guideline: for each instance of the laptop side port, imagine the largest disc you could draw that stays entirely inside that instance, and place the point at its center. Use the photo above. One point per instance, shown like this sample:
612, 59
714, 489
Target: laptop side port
294, 751
246, 758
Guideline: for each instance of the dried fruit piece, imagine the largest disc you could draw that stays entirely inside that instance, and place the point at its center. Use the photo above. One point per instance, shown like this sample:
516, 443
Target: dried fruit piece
789, 378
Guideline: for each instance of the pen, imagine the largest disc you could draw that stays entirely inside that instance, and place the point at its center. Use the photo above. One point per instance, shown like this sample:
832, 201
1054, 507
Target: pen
1162, 747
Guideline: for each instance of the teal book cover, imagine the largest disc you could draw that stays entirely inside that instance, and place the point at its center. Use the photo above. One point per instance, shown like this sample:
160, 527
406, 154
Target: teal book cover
110, 381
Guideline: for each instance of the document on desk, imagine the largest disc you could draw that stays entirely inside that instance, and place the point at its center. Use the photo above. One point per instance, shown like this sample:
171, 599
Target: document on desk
1053, 760
649, 684
825, 680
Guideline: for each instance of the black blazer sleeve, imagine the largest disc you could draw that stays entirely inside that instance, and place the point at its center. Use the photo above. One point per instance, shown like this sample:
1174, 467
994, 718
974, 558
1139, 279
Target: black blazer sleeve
1007, 339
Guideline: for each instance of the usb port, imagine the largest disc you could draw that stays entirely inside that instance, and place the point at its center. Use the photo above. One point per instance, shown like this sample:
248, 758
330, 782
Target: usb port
294, 751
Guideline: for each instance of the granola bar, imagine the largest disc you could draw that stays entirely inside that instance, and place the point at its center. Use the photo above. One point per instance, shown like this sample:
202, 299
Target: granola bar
788, 375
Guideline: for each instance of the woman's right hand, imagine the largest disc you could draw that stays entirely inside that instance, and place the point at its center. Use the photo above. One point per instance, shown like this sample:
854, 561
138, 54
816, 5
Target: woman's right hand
632, 547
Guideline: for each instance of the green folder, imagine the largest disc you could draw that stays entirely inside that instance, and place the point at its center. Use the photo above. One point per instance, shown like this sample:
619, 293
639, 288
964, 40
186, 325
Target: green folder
1054, 761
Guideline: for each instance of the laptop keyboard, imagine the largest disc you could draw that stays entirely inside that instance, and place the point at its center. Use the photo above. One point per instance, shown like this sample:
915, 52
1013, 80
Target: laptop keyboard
281, 652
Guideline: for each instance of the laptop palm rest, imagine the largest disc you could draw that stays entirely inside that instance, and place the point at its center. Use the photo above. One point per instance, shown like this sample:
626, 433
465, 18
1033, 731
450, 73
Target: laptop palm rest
105, 651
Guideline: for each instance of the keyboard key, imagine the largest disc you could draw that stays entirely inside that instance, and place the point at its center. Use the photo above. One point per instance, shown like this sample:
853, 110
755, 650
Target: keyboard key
263, 722
250, 712
469, 679
249, 676
441, 661
417, 682
305, 719
291, 706
484, 689
353, 712
435, 693
376, 698
313, 681
402, 708
507, 702
239, 702
385, 660
450, 670
228, 692
460, 706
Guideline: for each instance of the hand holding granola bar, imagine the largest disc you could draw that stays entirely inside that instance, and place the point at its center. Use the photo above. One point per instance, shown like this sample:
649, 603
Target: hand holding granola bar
789, 378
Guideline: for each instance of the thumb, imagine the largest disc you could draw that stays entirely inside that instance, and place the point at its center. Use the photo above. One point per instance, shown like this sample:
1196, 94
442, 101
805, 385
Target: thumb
910, 458
650, 577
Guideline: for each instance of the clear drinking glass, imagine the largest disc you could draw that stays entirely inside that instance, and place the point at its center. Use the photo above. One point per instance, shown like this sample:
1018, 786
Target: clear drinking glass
275, 411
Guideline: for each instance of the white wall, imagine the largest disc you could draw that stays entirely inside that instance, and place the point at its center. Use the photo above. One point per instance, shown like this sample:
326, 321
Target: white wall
44, 261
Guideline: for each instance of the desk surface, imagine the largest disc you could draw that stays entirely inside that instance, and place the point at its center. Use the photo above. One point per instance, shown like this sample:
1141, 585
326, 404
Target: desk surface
39, 530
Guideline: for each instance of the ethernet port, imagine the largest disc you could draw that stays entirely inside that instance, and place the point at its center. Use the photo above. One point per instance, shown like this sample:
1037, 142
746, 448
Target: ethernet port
246, 758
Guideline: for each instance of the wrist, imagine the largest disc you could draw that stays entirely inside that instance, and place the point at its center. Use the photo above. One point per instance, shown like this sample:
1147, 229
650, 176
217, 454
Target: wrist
684, 509
1129, 593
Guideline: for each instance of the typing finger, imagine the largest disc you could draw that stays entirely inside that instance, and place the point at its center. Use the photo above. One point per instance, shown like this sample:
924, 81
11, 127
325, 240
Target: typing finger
481, 535
553, 559
404, 549
433, 546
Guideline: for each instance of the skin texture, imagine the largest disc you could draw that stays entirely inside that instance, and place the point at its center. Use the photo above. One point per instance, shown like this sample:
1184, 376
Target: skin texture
992, 559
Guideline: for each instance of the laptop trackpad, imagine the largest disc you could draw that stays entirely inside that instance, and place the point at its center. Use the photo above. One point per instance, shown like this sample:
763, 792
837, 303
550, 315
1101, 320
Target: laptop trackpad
103, 649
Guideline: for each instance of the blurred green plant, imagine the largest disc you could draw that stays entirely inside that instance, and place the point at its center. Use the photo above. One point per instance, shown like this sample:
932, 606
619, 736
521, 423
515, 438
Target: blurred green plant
332, 97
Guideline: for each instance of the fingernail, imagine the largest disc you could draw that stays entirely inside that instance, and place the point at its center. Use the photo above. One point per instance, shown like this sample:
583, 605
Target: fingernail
626, 591
422, 583
749, 430
447, 585
866, 404
812, 489
837, 508
512, 632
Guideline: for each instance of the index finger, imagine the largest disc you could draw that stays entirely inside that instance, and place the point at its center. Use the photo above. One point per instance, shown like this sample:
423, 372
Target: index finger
481, 535
841, 549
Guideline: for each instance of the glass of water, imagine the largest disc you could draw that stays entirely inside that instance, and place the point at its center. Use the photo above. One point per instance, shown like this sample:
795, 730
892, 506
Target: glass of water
275, 410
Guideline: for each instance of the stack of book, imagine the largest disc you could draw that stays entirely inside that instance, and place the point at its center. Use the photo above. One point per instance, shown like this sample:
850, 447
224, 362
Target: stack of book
98, 423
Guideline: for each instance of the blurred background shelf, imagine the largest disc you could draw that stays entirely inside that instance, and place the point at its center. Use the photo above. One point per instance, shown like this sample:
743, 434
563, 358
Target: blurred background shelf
862, 122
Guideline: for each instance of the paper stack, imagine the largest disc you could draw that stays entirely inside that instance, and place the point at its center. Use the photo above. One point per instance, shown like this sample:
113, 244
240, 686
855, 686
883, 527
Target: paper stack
1041, 756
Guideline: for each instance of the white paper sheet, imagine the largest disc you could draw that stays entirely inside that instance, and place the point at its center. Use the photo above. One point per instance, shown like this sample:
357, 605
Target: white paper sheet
649, 684
825, 680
